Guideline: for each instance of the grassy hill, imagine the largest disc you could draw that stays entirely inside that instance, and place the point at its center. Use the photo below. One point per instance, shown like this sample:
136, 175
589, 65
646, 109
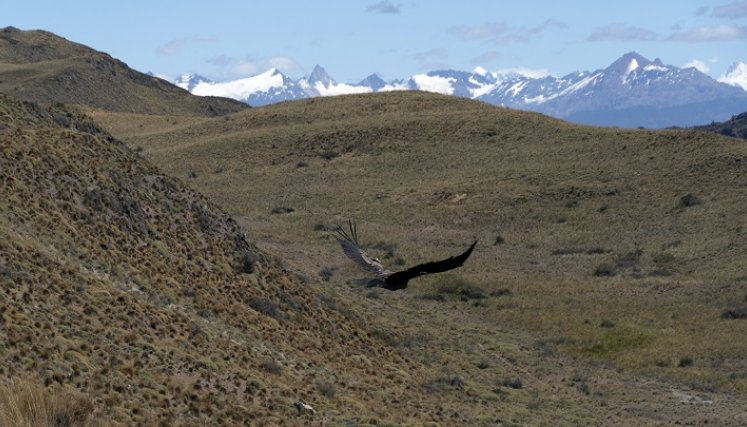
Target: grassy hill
608, 287
42, 67
144, 301
609, 260
736, 127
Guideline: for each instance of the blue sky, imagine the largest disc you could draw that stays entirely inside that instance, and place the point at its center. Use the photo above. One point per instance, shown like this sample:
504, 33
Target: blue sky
353, 38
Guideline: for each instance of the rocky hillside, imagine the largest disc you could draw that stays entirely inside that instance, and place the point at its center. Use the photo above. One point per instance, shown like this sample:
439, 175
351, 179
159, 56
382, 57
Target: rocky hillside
121, 283
42, 67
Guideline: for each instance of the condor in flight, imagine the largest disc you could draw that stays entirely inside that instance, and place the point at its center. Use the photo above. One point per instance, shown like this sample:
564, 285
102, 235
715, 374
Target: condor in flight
384, 278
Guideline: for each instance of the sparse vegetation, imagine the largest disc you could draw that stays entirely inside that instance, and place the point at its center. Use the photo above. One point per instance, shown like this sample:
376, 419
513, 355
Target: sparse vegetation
122, 285
459, 288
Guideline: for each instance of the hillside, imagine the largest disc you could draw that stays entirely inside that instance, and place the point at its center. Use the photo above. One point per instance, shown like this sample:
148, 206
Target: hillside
609, 260
41, 67
736, 127
120, 283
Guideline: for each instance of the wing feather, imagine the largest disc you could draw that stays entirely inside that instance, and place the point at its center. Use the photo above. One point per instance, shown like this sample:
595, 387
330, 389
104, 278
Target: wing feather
431, 267
353, 250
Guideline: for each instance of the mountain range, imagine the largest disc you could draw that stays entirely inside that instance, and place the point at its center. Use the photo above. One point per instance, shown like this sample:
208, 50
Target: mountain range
633, 91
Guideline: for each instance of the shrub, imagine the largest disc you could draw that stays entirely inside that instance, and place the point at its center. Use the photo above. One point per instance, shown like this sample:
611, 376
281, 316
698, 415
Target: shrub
326, 273
282, 210
689, 200
266, 307
329, 154
630, 260
247, 262
327, 389
387, 248
735, 313
499, 240
605, 270
461, 288
514, 383
685, 362
607, 324
501, 292
271, 366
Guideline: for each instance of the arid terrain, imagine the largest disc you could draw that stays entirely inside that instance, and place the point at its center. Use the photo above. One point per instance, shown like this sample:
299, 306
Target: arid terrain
179, 267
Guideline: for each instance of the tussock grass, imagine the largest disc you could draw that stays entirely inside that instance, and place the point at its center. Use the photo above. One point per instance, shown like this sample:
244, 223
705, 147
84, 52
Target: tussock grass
417, 170
26, 404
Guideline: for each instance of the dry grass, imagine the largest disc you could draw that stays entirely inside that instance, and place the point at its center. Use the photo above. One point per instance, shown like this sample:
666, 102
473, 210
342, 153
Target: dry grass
25, 404
429, 173
122, 283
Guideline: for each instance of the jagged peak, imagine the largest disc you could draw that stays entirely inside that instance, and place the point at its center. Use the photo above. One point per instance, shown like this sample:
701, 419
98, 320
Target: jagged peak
628, 63
319, 74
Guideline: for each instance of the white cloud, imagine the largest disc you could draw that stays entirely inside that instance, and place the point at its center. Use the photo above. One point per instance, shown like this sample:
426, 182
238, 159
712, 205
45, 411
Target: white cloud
698, 65
500, 33
621, 32
230, 68
733, 10
535, 73
174, 46
431, 54
710, 34
436, 84
486, 57
385, 7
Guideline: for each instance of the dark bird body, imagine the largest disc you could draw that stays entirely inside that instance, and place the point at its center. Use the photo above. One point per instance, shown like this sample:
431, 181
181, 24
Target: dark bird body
390, 280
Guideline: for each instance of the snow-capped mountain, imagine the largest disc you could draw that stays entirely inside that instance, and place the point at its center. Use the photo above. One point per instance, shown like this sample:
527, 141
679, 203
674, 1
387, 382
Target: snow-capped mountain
189, 81
267, 88
632, 91
319, 83
736, 75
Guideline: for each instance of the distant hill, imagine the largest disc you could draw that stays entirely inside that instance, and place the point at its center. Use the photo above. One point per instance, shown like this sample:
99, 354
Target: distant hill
42, 67
736, 126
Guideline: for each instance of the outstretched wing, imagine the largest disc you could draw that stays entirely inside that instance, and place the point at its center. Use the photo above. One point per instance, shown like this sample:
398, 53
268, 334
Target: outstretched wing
351, 247
431, 267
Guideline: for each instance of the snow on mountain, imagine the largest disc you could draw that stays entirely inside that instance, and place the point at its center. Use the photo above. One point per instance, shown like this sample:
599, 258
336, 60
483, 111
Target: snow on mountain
266, 88
319, 83
632, 91
189, 81
736, 75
